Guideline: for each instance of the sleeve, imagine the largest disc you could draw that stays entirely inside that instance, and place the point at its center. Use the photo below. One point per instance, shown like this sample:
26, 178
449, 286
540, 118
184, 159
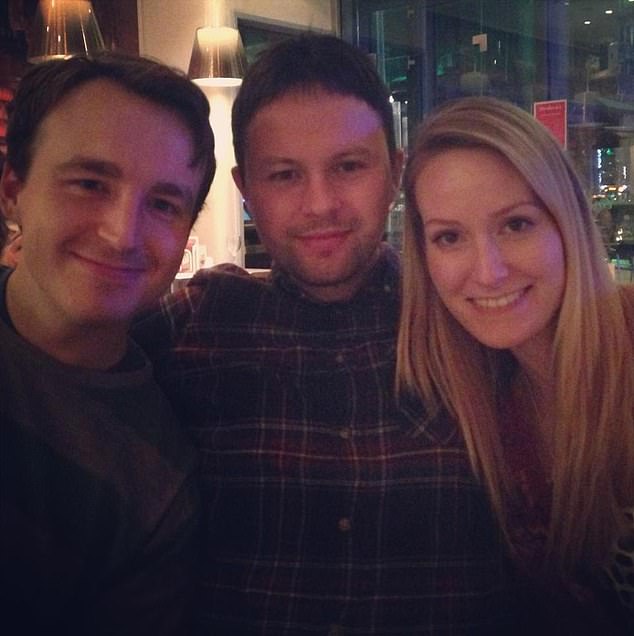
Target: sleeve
156, 330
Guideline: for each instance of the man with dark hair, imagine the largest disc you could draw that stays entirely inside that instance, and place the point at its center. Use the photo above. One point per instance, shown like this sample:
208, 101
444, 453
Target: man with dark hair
109, 161
330, 508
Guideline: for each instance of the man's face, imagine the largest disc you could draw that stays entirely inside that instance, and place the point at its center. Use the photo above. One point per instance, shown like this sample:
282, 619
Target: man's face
105, 209
318, 182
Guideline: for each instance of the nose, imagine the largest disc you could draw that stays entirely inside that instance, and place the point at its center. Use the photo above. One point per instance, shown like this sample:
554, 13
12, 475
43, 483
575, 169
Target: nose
119, 223
490, 267
320, 196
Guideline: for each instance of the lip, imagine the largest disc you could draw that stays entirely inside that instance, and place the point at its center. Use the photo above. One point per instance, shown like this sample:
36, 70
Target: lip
324, 239
499, 302
116, 271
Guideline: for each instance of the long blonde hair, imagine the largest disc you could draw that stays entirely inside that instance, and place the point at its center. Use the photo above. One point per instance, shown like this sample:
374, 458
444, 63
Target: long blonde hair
593, 352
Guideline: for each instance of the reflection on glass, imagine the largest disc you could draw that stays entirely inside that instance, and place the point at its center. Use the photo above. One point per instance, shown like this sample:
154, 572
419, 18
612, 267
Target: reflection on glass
536, 50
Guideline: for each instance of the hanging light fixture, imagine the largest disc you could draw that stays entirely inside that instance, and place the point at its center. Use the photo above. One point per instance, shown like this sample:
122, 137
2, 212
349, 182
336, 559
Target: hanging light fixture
217, 55
63, 28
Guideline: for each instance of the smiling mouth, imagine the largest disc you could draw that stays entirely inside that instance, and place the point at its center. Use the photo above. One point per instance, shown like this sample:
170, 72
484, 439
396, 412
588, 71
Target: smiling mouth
498, 302
118, 268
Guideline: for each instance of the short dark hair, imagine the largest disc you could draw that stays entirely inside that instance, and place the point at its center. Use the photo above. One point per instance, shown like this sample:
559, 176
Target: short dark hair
302, 63
46, 84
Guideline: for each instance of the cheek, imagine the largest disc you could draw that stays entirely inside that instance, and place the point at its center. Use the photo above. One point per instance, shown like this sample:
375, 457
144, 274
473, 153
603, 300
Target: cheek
265, 196
271, 221
556, 251
377, 195
445, 275
550, 258
262, 223
168, 245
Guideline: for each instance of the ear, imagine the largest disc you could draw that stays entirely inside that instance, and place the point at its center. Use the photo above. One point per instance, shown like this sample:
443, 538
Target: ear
10, 187
237, 179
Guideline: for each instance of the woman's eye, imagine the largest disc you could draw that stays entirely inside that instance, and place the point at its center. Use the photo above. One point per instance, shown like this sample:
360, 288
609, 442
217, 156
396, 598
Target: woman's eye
519, 224
445, 239
347, 167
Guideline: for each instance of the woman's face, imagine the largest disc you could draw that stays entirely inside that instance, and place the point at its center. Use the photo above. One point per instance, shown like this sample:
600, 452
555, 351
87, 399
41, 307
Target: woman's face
495, 256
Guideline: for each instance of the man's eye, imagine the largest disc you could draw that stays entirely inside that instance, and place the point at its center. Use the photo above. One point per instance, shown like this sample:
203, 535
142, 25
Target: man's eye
90, 185
165, 206
282, 175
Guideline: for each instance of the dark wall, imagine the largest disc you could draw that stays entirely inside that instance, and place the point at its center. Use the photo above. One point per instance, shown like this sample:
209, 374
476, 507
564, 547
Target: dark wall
117, 20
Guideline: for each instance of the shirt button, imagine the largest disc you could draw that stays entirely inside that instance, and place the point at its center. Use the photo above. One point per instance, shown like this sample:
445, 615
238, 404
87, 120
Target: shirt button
344, 524
345, 433
335, 630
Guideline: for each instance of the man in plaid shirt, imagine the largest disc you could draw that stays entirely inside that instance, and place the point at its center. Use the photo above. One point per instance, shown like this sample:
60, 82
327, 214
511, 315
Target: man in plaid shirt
331, 508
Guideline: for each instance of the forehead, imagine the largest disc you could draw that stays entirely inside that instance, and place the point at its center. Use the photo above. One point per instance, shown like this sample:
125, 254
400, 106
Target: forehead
311, 114
101, 123
469, 178
101, 116
100, 104
462, 165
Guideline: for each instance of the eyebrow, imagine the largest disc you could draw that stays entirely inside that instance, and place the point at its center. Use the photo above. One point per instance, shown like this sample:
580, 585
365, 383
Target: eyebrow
112, 170
89, 164
363, 154
168, 188
355, 151
502, 211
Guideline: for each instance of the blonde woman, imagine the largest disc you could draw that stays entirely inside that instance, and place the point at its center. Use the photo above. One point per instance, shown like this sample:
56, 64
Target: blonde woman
512, 321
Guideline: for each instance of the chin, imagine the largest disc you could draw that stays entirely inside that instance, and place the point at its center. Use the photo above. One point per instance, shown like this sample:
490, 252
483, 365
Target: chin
505, 342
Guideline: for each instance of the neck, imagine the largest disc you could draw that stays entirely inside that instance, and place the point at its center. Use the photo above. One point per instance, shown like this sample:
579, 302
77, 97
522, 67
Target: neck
91, 346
